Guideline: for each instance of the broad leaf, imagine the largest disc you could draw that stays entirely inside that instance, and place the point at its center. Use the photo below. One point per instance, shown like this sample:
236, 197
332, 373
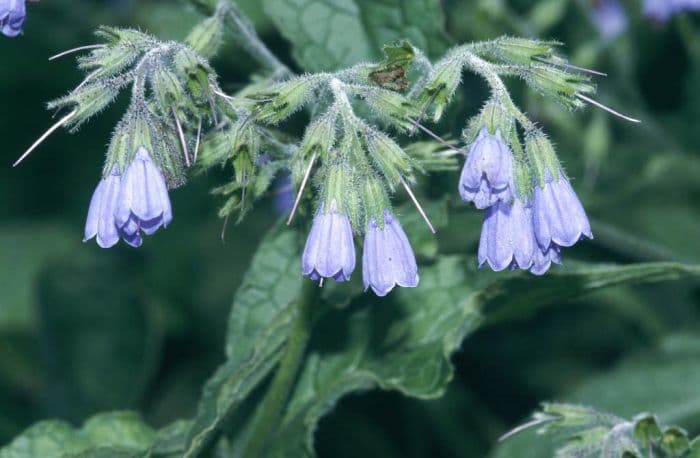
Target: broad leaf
330, 34
114, 434
405, 343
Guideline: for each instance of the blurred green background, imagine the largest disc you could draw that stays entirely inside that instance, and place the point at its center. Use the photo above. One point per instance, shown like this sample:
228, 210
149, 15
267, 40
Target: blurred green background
84, 330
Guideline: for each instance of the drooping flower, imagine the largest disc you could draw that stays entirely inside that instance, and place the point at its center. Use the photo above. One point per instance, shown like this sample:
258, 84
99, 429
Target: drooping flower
12, 15
387, 257
123, 206
143, 202
610, 17
543, 259
330, 249
507, 237
100, 219
559, 218
487, 175
508, 240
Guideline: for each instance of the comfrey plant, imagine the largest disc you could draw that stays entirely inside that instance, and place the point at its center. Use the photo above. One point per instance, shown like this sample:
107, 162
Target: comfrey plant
358, 153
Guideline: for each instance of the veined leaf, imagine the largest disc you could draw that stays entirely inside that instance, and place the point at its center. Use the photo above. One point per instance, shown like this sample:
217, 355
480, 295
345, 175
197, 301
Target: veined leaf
113, 434
319, 29
405, 343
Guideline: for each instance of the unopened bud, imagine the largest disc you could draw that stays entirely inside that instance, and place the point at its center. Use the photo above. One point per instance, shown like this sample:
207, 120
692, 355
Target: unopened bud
393, 107
206, 37
443, 83
542, 156
319, 136
522, 51
559, 84
388, 157
284, 99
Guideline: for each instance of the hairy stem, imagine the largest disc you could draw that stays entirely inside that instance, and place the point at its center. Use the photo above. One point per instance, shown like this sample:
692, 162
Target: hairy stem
269, 413
245, 33
490, 73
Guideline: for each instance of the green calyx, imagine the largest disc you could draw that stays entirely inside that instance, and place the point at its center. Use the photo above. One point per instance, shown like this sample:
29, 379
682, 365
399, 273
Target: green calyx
559, 85
542, 157
441, 86
388, 157
284, 99
522, 51
375, 200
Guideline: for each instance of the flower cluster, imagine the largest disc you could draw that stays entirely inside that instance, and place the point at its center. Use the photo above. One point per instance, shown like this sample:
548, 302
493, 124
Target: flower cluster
172, 90
12, 15
522, 229
124, 205
387, 256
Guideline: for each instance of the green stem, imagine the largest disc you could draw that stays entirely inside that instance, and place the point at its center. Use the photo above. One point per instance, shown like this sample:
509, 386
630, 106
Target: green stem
270, 411
245, 33
489, 72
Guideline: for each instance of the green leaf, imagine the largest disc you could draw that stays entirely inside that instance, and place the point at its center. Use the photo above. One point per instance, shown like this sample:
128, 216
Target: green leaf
405, 342
115, 434
259, 325
319, 29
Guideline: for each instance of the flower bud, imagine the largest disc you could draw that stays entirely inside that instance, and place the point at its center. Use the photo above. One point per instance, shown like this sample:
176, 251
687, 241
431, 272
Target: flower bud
167, 89
319, 136
245, 146
284, 99
443, 83
88, 100
522, 51
558, 84
375, 200
388, 157
195, 72
206, 37
393, 107
112, 59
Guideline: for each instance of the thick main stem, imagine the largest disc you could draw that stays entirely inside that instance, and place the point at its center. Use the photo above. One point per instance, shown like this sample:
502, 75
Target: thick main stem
270, 412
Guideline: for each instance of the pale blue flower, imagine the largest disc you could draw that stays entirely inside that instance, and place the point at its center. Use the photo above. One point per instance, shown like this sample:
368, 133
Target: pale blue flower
330, 249
387, 257
507, 237
487, 175
12, 15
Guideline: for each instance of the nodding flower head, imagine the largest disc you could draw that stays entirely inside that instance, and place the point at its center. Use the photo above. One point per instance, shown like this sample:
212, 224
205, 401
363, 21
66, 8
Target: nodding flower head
487, 175
329, 250
122, 207
12, 15
387, 257
508, 240
507, 237
559, 218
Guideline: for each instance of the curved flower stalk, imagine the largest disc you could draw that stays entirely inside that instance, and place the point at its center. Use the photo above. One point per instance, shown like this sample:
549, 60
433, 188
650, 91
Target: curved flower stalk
12, 16
387, 257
